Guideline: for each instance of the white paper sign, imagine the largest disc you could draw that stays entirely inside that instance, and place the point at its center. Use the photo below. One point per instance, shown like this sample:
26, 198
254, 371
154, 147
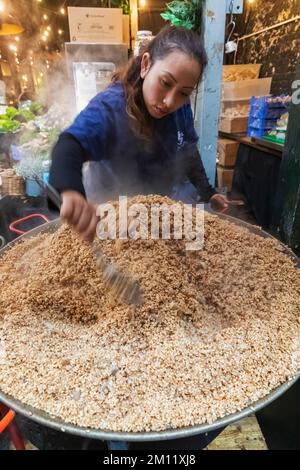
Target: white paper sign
90, 78
103, 25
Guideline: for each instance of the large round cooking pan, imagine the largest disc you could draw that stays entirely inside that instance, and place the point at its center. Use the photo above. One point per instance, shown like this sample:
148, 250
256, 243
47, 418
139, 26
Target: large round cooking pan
46, 419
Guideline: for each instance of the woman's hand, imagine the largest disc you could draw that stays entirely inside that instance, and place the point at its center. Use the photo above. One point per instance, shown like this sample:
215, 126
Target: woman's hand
79, 213
221, 204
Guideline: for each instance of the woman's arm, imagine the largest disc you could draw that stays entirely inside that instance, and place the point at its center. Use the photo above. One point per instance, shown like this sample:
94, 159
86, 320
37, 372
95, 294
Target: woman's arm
68, 157
195, 172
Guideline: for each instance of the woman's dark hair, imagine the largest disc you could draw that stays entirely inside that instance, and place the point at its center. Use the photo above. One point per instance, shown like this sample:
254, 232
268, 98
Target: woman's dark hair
169, 39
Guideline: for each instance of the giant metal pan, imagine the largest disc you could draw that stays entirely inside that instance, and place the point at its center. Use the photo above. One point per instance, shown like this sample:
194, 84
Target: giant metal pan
51, 421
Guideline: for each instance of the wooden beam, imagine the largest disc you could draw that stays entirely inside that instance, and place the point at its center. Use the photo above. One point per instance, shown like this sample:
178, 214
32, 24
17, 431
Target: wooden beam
242, 435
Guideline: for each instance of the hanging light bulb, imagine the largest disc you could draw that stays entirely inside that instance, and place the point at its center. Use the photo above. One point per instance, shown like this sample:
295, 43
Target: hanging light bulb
45, 17
60, 31
62, 11
2, 6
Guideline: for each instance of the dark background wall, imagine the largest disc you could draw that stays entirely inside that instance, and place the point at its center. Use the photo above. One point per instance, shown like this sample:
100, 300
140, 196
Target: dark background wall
278, 49
149, 17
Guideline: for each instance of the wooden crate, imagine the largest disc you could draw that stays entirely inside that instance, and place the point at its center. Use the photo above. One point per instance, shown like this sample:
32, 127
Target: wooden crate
236, 125
225, 177
227, 151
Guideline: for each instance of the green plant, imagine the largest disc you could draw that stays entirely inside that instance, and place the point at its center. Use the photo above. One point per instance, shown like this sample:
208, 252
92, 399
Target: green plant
7, 121
186, 13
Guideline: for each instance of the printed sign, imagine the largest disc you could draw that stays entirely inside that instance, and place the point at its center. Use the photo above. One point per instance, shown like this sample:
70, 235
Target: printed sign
103, 25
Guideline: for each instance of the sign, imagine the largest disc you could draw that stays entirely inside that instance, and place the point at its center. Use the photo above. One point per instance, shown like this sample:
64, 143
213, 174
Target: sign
103, 25
90, 78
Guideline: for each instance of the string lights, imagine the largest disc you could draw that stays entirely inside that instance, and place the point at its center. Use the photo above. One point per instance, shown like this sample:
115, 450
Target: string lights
50, 37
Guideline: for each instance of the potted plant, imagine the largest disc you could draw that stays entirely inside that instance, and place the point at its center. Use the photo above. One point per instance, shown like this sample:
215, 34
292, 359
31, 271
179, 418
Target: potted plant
186, 13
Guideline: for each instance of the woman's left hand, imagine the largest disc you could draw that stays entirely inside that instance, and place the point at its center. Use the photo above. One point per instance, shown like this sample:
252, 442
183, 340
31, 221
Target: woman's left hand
221, 204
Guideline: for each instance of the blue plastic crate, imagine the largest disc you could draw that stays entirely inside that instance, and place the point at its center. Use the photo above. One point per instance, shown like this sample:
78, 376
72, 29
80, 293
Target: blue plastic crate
265, 112
262, 123
253, 132
270, 102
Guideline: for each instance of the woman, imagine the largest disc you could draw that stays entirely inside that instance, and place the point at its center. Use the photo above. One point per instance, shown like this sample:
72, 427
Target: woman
138, 134
141, 134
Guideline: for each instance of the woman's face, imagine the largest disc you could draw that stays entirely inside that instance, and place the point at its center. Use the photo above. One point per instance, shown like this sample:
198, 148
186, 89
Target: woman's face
169, 82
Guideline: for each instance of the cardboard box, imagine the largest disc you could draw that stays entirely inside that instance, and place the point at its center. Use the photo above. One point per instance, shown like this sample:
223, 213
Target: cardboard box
227, 151
225, 177
236, 125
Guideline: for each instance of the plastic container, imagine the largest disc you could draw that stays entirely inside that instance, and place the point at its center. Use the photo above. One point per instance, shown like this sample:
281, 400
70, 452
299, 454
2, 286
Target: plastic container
32, 188
268, 114
16, 152
235, 108
275, 139
246, 89
262, 105
238, 72
45, 172
262, 123
254, 132
141, 40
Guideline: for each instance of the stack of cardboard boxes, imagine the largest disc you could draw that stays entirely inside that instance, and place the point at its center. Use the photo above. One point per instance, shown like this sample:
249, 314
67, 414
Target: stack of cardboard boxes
227, 153
240, 83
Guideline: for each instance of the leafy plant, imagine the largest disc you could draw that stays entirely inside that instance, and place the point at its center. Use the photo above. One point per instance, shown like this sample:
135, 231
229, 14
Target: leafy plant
8, 122
11, 112
36, 107
9, 125
186, 13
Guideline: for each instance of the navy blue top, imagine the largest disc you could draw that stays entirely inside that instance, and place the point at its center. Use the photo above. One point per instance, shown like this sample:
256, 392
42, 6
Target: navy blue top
104, 131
